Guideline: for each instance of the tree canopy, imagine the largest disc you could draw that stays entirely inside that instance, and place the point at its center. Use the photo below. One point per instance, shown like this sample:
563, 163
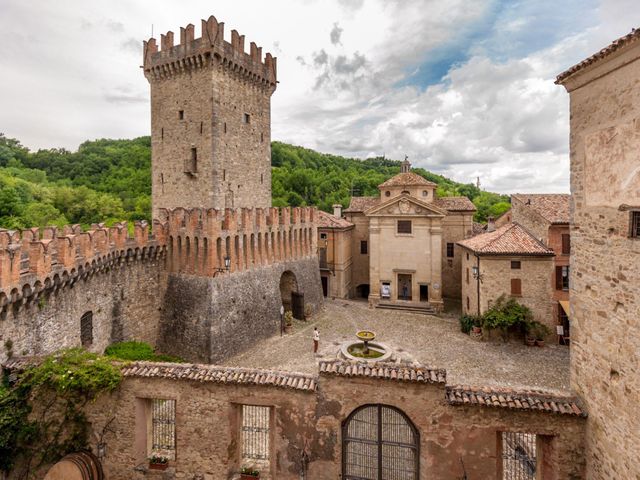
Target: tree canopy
110, 180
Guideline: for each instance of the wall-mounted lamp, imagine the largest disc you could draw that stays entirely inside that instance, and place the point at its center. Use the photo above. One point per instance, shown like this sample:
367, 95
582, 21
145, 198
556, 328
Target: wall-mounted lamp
227, 266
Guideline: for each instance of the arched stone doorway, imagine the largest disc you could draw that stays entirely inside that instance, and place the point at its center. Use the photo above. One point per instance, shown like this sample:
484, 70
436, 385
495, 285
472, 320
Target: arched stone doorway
380, 441
362, 291
291, 297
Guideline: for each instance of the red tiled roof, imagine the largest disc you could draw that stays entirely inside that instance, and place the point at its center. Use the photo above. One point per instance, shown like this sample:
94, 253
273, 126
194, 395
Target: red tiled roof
326, 220
553, 207
218, 374
516, 400
361, 204
408, 178
383, 370
478, 228
510, 239
455, 204
605, 52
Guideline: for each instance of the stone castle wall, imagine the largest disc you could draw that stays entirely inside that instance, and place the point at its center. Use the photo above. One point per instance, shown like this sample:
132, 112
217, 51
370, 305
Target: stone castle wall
605, 279
49, 278
210, 120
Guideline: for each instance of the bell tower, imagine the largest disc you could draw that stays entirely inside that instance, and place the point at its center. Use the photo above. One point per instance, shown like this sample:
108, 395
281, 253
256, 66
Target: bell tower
210, 119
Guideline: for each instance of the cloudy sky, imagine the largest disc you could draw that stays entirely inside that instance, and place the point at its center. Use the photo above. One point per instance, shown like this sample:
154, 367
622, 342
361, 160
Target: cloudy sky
464, 87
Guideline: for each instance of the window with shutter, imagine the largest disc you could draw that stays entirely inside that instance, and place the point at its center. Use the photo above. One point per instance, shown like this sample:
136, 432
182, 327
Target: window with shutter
635, 224
516, 286
566, 244
558, 278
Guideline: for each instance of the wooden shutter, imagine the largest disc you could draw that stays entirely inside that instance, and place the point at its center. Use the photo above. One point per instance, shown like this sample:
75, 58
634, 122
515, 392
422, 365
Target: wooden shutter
566, 243
558, 278
516, 286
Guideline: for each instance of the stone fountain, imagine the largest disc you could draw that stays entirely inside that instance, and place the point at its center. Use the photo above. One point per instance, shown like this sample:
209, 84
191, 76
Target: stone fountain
365, 349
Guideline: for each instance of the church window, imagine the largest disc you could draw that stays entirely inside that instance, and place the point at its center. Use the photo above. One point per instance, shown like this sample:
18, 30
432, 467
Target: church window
635, 224
181, 114
364, 247
404, 226
450, 249
406, 192
425, 193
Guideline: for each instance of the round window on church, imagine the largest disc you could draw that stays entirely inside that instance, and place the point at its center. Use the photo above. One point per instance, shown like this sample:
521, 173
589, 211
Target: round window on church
387, 193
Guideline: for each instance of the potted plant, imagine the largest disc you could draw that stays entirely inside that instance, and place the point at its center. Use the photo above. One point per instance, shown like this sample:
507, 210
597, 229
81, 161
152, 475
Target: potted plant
476, 327
249, 473
541, 331
288, 321
529, 335
307, 311
158, 462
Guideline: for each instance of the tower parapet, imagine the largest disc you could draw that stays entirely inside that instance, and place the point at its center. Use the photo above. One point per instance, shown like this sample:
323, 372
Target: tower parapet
210, 49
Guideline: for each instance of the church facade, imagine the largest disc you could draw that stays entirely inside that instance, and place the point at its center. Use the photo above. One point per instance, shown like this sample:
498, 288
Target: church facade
404, 243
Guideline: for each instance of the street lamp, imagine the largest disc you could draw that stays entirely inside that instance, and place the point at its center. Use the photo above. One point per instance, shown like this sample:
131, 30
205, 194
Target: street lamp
227, 266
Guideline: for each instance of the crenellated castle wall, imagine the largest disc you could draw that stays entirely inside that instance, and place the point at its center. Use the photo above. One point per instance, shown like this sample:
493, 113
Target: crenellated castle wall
156, 287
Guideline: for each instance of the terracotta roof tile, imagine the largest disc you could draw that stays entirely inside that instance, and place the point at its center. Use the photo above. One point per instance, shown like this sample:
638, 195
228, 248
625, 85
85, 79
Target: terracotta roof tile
605, 52
326, 220
553, 207
478, 228
510, 239
383, 370
455, 204
408, 178
515, 400
218, 374
361, 204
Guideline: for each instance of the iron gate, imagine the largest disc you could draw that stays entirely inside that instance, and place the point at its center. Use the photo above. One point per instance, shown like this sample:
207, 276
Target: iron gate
163, 419
379, 442
255, 432
518, 456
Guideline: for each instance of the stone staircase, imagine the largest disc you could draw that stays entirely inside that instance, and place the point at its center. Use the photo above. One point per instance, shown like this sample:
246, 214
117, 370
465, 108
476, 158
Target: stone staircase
409, 307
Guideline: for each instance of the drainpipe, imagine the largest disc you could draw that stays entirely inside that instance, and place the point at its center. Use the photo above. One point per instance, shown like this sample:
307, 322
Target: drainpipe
478, 280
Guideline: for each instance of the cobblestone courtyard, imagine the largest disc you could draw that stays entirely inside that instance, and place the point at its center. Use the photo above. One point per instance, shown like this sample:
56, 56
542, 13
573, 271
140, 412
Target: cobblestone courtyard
432, 341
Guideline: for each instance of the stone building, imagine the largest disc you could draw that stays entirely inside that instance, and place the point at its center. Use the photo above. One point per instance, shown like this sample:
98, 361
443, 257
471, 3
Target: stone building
334, 253
508, 261
404, 243
547, 217
605, 254
210, 120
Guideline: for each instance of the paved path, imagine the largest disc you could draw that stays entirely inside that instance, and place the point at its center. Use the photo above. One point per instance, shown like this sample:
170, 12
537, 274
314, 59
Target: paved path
432, 341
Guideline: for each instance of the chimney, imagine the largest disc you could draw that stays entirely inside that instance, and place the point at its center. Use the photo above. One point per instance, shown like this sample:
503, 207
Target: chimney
337, 210
491, 224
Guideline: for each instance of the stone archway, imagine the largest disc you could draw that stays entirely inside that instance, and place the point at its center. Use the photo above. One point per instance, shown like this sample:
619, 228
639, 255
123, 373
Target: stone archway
288, 286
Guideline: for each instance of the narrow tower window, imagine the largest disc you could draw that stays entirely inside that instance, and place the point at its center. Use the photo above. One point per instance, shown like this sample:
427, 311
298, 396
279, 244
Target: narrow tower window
201, 127
181, 114
162, 133
225, 127
191, 164
247, 118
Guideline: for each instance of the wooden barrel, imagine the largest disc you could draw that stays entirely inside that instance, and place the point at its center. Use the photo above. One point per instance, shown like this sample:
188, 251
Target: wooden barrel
77, 466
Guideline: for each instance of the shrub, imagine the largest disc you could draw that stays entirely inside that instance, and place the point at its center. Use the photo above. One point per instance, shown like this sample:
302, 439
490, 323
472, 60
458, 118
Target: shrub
468, 321
538, 330
507, 314
288, 317
137, 351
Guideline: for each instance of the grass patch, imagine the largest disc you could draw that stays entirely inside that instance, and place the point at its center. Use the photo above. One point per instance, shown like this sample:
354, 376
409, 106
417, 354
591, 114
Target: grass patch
138, 351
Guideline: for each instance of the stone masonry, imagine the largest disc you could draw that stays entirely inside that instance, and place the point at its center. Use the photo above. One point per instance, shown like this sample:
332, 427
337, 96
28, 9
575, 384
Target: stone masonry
210, 119
605, 279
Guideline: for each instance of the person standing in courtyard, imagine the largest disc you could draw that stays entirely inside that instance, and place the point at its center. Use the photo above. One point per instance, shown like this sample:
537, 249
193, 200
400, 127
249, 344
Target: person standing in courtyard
316, 339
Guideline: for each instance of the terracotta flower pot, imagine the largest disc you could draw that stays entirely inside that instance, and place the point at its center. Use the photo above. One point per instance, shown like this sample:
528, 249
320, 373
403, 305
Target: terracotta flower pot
530, 341
476, 330
158, 466
287, 329
246, 476
540, 343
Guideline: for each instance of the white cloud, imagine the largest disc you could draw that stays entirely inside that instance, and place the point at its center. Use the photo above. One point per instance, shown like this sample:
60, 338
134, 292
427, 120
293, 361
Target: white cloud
347, 72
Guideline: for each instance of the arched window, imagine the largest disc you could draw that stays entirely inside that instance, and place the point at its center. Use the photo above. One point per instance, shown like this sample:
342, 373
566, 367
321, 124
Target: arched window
380, 441
86, 329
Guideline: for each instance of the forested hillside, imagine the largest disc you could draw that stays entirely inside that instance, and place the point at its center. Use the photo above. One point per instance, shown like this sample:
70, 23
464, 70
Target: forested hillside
110, 180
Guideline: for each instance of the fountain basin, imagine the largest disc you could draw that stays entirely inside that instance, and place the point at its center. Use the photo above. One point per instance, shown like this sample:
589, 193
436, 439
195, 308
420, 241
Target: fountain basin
378, 352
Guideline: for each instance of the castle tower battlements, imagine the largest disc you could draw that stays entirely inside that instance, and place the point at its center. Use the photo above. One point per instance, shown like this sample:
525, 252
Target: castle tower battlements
209, 50
210, 120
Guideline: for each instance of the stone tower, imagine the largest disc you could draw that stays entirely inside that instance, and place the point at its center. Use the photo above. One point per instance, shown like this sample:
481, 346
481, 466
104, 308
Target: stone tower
210, 120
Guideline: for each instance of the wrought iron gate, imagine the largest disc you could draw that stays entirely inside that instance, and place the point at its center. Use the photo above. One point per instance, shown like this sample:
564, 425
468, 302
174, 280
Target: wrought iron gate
163, 419
255, 432
518, 456
379, 442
